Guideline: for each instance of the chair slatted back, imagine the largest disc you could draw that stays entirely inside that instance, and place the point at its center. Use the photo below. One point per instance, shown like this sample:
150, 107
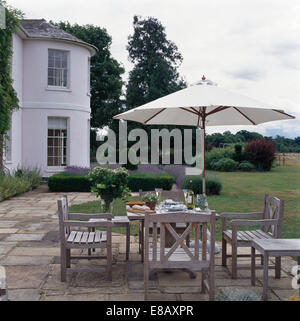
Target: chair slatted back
63, 215
194, 222
274, 208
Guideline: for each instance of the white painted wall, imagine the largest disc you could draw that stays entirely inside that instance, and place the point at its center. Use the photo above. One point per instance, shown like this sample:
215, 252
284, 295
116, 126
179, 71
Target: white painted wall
30, 123
34, 140
35, 89
16, 125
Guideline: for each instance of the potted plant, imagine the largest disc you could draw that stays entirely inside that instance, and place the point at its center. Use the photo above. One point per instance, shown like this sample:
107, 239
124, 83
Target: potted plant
151, 200
109, 184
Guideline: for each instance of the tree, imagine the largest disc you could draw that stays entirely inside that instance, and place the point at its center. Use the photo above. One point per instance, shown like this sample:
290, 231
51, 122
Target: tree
106, 73
156, 61
8, 97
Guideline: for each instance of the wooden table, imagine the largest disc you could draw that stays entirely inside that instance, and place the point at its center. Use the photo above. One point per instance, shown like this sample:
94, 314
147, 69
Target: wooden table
141, 219
272, 247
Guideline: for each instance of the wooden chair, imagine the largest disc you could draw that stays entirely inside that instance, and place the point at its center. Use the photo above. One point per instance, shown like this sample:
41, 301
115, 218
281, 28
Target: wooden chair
179, 256
118, 221
269, 221
71, 238
180, 227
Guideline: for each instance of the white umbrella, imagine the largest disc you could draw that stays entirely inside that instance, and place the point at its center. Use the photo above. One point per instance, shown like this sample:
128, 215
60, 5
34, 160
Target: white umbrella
204, 104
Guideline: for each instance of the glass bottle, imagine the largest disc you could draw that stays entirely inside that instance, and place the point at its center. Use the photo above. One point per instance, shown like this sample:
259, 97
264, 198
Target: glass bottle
190, 198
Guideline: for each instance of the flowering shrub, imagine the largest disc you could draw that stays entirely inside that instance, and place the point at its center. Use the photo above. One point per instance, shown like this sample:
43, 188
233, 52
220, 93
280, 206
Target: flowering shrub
109, 184
77, 170
261, 153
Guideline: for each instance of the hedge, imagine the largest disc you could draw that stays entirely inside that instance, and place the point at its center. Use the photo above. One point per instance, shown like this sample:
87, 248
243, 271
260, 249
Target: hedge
62, 182
213, 185
148, 181
66, 182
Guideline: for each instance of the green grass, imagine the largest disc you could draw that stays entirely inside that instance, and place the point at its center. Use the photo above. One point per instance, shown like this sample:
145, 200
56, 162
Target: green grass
242, 192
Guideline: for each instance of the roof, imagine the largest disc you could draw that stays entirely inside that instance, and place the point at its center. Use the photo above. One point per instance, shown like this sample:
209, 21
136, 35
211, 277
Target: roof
41, 29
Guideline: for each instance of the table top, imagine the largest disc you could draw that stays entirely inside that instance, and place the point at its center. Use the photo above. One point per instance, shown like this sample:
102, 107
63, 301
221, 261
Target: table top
277, 245
135, 216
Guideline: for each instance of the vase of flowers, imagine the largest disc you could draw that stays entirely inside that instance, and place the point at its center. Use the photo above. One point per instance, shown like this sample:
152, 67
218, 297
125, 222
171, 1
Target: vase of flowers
151, 200
109, 184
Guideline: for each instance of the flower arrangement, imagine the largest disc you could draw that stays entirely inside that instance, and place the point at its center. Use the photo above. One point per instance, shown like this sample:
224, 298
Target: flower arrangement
150, 199
109, 184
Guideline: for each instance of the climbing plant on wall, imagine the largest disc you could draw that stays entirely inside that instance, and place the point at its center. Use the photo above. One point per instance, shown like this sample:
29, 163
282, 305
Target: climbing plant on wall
8, 97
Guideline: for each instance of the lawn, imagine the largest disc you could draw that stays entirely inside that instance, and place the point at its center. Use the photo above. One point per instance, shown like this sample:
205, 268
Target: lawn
242, 192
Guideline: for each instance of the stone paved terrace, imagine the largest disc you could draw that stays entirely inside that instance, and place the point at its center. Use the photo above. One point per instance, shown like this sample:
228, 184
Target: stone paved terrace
29, 251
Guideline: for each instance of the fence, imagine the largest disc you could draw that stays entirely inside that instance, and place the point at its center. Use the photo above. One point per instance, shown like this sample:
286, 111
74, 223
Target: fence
283, 158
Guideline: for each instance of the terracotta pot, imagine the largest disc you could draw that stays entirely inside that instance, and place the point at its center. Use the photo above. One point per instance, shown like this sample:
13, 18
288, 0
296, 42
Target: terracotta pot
151, 205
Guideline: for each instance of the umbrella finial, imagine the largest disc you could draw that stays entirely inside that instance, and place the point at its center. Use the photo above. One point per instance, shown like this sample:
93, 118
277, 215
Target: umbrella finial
203, 78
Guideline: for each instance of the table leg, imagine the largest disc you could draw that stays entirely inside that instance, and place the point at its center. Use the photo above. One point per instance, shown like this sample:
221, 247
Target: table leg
252, 266
142, 239
277, 267
265, 277
127, 241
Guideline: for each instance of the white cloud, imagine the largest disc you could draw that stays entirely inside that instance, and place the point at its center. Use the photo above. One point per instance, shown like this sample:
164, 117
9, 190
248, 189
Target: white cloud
249, 46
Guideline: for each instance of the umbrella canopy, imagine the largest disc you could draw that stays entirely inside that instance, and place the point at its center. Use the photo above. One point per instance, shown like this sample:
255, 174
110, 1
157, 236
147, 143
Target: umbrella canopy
218, 106
204, 104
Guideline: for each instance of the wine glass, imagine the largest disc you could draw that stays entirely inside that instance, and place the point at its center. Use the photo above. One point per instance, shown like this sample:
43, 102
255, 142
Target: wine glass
158, 192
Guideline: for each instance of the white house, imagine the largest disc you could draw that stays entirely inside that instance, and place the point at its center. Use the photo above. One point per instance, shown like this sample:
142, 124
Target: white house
51, 73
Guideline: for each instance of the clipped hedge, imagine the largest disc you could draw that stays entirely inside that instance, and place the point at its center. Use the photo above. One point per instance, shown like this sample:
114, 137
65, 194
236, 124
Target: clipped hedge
148, 181
62, 182
213, 185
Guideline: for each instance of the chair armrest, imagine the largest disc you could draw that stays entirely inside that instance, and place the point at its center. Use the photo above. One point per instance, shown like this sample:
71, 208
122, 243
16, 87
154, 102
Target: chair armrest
87, 224
83, 216
253, 222
242, 215
225, 216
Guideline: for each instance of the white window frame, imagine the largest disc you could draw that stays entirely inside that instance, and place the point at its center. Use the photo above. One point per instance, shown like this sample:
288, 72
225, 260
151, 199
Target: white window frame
59, 87
63, 155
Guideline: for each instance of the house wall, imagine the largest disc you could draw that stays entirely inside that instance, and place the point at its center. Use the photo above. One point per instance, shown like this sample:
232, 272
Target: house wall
30, 124
16, 125
34, 138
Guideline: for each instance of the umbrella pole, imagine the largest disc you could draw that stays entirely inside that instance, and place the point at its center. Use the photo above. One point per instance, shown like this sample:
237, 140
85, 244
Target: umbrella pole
203, 146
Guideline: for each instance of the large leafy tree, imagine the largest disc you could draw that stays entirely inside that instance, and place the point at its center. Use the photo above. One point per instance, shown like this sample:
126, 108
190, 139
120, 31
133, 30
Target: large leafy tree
8, 97
106, 73
155, 60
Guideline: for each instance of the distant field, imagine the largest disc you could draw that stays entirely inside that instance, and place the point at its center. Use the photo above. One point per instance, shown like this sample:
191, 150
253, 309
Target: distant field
244, 192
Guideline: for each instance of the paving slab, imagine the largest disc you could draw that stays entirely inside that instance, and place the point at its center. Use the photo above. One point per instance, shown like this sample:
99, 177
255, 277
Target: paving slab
24, 295
27, 260
25, 237
25, 277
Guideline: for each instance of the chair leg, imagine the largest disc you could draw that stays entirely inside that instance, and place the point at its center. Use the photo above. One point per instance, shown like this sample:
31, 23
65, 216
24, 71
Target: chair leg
109, 263
146, 280
127, 241
63, 264
224, 252
277, 267
68, 258
203, 277
211, 286
234, 261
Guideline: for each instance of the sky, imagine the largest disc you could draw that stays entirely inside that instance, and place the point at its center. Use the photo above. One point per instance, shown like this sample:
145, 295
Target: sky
251, 47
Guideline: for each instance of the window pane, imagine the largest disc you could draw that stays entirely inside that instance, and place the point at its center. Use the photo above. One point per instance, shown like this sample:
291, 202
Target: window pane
64, 60
50, 142
65, 80
50, 132
50, 161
